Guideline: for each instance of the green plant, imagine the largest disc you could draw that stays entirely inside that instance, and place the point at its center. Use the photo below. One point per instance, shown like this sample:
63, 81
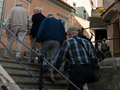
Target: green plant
118, 52
108, 54
101, 10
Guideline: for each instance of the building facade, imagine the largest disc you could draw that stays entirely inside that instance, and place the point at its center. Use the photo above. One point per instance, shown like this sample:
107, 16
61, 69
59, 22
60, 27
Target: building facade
61, 10
82, 8
112, 15
96, 22
80, 17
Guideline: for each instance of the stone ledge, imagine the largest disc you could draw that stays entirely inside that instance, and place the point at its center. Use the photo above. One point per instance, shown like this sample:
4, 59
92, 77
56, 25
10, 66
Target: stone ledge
110, 62
7, 81
110, 75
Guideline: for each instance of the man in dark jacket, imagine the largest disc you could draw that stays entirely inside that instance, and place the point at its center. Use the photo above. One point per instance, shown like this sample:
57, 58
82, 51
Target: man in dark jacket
50, 35
37, 18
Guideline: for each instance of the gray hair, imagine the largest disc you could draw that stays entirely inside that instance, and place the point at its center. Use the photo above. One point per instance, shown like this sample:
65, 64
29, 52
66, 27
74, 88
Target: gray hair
49, 14
38, 8
18, 4
73, 29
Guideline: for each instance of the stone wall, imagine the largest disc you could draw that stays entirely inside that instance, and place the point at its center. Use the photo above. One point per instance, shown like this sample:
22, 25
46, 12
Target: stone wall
6, 82
110, 72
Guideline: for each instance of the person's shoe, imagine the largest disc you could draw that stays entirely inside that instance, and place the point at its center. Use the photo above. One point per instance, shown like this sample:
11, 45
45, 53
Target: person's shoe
19, 58
52, 81
5, 57
31, 61
45, 68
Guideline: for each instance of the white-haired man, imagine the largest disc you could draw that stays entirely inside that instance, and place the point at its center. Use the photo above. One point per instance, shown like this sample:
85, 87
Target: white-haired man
37, 18
50, 35
18, 21
80, 64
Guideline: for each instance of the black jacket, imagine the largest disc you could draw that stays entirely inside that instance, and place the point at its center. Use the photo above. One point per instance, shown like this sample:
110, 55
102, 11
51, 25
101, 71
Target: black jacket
36, 19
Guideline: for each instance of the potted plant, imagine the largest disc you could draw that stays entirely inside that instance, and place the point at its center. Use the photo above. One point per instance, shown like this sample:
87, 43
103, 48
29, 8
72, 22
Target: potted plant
101, 10
117, 54
107, 54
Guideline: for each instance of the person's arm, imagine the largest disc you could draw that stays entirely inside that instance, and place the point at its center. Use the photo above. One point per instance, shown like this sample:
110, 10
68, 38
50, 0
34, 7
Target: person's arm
60, 58
92, 53
64, 38
41, 31
29, 21
64, 33
33, 27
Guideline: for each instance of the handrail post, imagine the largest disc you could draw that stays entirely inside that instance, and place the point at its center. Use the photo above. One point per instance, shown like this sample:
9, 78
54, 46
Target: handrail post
40, 61
2, 16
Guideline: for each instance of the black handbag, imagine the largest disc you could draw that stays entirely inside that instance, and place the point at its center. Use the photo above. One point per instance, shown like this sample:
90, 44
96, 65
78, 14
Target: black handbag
96, 75
100, 55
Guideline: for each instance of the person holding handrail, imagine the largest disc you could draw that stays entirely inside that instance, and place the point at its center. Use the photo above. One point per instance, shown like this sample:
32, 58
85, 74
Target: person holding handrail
80, 64
19, 22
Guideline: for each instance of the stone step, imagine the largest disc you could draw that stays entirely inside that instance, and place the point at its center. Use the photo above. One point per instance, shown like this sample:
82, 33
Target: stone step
14, 63
43, 89
25, 80
20, 70
49, 85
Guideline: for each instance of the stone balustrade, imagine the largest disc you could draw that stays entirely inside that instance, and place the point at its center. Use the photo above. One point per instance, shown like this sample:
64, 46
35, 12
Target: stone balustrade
110, 72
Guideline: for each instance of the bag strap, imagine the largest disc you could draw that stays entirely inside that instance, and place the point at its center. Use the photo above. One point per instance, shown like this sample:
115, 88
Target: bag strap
82, 45
85, 50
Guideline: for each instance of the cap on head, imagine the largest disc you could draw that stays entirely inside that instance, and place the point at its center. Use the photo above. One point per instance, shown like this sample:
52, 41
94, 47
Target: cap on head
73, 29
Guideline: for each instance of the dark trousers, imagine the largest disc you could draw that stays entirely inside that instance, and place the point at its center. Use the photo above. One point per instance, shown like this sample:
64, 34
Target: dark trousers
79, 75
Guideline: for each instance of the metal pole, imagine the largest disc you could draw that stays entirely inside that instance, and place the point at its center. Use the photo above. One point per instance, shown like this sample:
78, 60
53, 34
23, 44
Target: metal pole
2, 18
113, 46
40, 61
102, 25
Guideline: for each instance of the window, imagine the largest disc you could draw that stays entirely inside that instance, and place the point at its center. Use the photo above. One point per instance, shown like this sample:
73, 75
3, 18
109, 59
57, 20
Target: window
63, 19
27, 1
84, 14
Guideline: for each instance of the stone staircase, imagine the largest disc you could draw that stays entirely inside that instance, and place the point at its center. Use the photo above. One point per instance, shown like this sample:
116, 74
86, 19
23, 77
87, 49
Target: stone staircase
25, 81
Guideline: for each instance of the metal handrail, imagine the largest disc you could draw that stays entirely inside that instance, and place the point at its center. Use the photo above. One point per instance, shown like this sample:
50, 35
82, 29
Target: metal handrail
105, 39
22, 64
43, 59
101, 25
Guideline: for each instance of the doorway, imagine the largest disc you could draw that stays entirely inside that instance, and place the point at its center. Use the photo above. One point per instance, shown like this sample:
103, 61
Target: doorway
100, 35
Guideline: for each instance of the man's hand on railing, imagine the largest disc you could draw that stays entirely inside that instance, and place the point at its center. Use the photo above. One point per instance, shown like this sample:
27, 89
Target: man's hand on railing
6, 31
53, 76
28, 31
31, 37
38, 44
